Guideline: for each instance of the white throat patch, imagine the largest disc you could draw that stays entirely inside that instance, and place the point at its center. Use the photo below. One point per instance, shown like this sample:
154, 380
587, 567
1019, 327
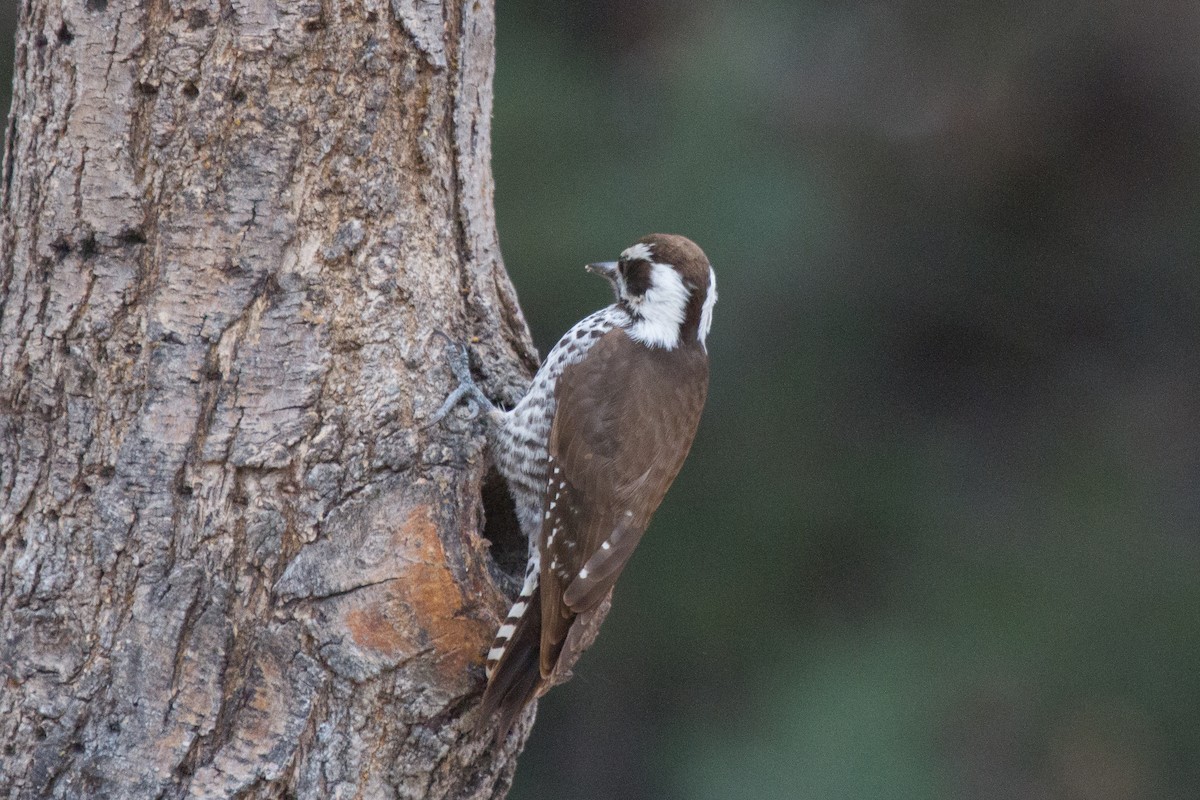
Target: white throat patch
658, 314
710, 300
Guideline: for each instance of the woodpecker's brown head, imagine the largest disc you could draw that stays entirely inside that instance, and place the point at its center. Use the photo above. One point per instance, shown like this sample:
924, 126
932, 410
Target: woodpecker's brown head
668, 287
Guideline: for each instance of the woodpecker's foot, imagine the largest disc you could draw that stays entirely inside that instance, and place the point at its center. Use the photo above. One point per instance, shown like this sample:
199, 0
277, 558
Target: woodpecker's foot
460, 365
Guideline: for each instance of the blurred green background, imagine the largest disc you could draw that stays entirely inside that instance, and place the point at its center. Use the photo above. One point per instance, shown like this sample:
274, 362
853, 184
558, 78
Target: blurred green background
938, 536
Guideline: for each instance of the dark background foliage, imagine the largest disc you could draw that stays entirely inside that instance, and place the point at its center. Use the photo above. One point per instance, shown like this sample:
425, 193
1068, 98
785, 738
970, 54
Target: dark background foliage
938, 537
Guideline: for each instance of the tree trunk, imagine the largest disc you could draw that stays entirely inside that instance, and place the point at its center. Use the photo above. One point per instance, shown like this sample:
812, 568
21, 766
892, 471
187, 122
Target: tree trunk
231, 561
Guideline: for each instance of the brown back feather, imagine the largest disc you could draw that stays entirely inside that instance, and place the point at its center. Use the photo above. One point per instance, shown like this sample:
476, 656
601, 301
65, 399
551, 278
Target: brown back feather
625, 420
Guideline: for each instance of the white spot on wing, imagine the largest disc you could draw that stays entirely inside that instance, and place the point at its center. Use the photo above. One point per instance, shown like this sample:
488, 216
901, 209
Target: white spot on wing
583, 573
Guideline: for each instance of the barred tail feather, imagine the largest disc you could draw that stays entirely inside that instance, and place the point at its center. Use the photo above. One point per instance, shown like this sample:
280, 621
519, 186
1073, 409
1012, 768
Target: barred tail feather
513, 672
518, 610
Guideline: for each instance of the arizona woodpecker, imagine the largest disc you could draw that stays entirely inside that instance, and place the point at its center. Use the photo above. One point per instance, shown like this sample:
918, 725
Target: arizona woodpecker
590, 451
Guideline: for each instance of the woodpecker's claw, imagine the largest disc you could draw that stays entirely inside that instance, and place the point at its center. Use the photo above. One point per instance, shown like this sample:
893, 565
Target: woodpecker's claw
460, 365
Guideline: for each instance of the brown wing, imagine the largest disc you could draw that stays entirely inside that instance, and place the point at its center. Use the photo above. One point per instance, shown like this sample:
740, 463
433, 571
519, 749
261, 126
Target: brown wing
624, 422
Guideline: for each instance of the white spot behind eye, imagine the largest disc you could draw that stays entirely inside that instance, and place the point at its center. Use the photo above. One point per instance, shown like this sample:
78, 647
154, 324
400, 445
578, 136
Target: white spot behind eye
706, 313
638, 252
658, 316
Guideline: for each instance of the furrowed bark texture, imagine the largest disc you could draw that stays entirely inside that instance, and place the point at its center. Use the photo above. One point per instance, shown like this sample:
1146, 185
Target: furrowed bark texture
232, 564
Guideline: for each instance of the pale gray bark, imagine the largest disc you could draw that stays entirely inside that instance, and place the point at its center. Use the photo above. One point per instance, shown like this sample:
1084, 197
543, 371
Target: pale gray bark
231, 561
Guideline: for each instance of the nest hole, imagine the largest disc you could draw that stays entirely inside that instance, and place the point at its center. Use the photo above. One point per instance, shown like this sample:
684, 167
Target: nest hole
500, 527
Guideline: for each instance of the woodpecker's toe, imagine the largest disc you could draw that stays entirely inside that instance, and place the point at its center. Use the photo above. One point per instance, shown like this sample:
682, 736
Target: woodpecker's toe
460, 366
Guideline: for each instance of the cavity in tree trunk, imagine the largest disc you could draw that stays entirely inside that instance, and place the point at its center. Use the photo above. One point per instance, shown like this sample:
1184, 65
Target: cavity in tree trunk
231, 561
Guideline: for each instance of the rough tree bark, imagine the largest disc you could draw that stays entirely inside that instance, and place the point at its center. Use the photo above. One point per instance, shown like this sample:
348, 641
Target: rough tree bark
231, 561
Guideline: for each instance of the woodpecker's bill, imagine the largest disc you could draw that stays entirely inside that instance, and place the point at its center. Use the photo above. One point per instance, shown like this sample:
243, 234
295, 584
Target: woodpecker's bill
589, 453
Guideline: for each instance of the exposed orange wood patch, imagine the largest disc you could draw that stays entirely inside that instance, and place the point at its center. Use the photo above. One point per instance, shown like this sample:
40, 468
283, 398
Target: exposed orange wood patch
371, 627
424, 608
